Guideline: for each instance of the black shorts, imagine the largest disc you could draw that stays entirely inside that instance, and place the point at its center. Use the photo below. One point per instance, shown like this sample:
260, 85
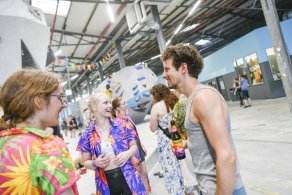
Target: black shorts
117, 183
245, 94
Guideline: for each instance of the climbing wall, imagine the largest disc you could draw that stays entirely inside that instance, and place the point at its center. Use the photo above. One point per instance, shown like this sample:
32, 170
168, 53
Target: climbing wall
133, 83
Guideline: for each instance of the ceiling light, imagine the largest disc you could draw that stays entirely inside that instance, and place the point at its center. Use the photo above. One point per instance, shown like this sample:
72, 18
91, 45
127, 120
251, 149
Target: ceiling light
178, 29
167, 43
110, 11
74, 77
188, 28
195, 7
58, 52
202, 42
155, 56
64, 83
49, 6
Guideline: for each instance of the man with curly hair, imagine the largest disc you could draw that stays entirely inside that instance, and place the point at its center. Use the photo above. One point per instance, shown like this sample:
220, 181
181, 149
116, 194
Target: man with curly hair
207, 122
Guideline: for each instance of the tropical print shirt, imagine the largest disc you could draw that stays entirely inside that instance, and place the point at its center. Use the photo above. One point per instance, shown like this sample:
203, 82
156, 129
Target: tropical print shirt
120, 137
127, 122
32, 162
178, 115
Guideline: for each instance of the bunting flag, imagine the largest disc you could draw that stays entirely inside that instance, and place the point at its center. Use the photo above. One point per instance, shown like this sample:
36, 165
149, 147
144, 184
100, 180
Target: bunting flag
59, 61
72, 66
93, 66
89, 66
108, 55
66, 64
79, 68
97, 65
84, 67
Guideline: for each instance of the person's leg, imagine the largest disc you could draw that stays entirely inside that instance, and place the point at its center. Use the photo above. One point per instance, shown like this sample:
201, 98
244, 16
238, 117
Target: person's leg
240, 98
144, 175
248, 99
66, 132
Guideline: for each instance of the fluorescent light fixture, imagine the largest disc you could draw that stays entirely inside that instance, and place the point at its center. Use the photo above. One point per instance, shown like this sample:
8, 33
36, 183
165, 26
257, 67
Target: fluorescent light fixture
58, 52
110, 11
202, 42
167, 43
74, 77
64, 83
195, 7
155, 57
49, 6
188, 28
178, 29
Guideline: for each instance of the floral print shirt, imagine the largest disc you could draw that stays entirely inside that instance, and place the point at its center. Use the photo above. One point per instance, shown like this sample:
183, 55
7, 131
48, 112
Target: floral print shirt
120, 137
33, 162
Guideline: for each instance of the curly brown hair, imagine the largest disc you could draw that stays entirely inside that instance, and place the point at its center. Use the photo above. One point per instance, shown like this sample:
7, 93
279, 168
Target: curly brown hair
18, 91
182, 53
162, 92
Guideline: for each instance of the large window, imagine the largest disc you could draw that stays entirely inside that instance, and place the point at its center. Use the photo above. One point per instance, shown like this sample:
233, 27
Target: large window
255, 72
273, 63
239, 67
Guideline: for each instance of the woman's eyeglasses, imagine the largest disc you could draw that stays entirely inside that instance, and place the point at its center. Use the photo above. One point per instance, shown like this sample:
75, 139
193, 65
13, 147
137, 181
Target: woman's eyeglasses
61, 97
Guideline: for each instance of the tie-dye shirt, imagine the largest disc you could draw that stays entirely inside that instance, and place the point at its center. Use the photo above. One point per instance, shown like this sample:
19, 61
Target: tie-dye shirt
33, 162
120, 137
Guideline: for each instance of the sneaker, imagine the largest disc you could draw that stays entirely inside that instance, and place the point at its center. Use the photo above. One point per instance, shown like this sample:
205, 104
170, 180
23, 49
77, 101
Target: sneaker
245, 107
249, 105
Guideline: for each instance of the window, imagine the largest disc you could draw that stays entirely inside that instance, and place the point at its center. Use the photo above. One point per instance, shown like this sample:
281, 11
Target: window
273, 63
239, 67
255, 72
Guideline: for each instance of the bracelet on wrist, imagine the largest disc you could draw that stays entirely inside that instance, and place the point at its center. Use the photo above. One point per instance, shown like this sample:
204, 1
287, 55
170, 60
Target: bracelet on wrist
93, 163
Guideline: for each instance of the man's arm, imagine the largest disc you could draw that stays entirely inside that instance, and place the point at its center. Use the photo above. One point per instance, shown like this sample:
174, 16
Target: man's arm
210, 111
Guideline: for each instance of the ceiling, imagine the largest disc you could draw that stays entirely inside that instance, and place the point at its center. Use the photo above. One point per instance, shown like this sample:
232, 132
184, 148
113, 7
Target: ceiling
86, 35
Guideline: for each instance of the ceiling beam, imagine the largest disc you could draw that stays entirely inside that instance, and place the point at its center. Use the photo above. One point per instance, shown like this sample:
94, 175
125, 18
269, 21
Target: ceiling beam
98, 1
81, 34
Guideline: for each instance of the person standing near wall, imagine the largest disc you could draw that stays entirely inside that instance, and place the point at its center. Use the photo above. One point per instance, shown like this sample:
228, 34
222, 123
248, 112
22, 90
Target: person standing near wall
237, 90
207, 122
244, 90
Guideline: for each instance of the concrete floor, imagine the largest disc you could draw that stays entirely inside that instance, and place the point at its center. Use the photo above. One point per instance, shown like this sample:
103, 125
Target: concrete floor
263, 137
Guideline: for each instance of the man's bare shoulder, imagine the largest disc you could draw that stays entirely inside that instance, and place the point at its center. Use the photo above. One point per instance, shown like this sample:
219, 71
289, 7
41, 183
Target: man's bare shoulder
206, 95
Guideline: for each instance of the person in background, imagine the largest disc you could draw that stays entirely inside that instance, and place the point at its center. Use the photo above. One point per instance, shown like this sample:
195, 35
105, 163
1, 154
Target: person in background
65, 126
244, 90
119, 111
108, 148
108, 90
164, 102
207, 122
73, 126
31, 160
178, 116
237, 90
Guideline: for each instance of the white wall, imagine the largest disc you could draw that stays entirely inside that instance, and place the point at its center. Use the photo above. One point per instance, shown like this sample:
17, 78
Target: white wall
18, 23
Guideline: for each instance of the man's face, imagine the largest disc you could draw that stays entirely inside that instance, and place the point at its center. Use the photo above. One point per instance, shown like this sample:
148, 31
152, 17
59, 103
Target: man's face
170, 74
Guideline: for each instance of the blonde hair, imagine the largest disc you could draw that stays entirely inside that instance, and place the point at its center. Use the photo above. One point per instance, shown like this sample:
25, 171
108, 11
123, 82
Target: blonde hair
18, 92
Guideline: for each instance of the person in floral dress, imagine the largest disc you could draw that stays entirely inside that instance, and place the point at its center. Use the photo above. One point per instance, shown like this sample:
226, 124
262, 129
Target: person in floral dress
108, 148
164, 102
33, 162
